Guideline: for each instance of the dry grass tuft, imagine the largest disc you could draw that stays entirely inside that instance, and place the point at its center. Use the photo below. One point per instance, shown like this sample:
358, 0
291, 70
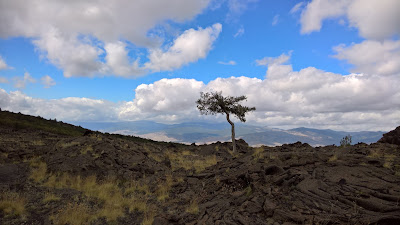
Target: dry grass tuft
193, 207
73, 213
38, 143
114, 199
86, 149
70, 144
12, 204
163, 188
38, 170
189, 160
258, 153
375, 153
50, 197
333, 158
148, 218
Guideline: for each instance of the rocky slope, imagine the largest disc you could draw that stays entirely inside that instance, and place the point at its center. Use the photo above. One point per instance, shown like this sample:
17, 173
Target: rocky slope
51, 177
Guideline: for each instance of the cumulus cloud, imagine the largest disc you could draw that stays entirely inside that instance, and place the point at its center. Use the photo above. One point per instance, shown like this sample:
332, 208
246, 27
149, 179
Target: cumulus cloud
72, 35
164, 100
70, 54
230, 63
21, 83
372, 57
118, 61
375, 19
285, 98
47, 81
66, 109
191, 46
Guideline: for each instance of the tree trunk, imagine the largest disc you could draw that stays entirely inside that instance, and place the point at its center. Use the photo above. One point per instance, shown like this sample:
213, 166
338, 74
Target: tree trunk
233, 132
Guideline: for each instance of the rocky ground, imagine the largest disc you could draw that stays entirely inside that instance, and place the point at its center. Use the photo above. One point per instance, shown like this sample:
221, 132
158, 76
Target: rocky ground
91, 178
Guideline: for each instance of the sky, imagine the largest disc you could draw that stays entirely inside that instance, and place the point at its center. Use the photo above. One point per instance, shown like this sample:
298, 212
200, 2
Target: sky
326, 64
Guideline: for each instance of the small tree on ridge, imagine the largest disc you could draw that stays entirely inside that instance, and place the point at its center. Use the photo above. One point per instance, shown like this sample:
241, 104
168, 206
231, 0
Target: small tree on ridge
214, 103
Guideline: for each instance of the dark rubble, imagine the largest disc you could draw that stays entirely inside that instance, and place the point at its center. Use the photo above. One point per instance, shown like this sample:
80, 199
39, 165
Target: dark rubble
288, 184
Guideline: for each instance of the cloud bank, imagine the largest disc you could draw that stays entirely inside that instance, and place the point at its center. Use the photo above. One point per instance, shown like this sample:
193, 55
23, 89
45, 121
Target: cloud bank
374, 19
99, 43
285, 98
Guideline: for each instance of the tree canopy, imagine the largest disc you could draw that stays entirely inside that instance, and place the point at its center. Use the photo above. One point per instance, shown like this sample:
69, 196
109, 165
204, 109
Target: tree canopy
211, 103
214, 103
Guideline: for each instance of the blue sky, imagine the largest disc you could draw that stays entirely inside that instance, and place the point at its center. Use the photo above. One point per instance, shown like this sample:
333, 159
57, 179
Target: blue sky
320, 63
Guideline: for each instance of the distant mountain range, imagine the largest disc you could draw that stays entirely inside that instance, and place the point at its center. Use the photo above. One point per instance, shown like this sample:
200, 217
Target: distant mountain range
201, 132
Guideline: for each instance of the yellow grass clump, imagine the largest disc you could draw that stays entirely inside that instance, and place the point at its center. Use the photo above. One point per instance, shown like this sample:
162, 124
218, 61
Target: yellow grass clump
38, 170
73, 213
193, 207
113, 199
12, 204
50, 197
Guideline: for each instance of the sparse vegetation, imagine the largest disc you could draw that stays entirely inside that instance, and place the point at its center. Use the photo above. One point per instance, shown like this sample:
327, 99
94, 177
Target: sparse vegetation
38, 171
50, 197
20, 121
188, 160
193, 207
258, 153
346, 141
114, 180
333, 158
73, 213
114, 199
12, 204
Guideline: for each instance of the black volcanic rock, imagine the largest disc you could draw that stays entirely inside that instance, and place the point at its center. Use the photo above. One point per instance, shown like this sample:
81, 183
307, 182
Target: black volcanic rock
188, 184
392, 137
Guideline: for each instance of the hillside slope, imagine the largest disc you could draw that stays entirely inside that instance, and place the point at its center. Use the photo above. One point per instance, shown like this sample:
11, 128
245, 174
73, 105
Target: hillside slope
50, 177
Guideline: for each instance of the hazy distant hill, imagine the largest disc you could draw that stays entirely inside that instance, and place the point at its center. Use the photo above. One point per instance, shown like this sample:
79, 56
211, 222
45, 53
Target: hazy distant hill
201, 132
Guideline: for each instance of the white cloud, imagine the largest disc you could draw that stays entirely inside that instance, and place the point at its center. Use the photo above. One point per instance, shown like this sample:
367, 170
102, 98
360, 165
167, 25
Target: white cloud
164, 100
284, 98
47, 81
118, 61
230, 63
75, 57
375, 19
21, 83
72, 34
319, 10
297, 7
239, 33
3, 80
66, 109
372, 57
189, 47
284, 58
275, 20
3, 64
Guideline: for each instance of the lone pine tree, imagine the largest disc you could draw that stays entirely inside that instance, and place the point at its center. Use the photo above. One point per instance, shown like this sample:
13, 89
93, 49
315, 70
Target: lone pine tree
214, 103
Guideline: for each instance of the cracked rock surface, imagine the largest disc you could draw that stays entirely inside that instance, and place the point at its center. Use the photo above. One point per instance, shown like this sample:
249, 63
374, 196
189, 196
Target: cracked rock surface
207, 184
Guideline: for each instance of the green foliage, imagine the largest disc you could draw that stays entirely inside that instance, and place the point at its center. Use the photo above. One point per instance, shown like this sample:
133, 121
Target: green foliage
214, 103
346, 141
